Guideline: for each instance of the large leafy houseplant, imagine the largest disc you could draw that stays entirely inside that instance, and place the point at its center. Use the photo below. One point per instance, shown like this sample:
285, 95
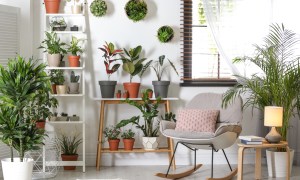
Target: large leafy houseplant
279, 82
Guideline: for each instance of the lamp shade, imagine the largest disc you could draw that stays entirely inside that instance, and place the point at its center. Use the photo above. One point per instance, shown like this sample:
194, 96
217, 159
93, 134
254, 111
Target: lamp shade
273, 116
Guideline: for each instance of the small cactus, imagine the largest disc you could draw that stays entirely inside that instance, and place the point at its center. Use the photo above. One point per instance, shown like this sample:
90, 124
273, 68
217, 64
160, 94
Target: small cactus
73, 78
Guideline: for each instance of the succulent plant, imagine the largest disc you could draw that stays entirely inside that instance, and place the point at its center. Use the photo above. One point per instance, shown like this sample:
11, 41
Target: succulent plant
73, 78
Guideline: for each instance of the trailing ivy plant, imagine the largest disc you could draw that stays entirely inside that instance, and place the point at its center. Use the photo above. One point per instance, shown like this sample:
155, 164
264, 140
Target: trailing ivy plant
136, 10
98, 8
165, 34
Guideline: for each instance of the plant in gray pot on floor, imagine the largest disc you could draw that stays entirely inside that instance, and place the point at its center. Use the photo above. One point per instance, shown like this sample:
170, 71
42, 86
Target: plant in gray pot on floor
160, 87
74, 83
107, 88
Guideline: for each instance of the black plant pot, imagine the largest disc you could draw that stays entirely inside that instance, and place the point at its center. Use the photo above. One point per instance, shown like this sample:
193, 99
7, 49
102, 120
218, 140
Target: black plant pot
107, 88
161, 88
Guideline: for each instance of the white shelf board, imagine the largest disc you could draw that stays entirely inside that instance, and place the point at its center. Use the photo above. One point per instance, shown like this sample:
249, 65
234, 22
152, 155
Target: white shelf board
65, 122
68, 32
64, 163
65, 14
118, 99
67, 95
65, 68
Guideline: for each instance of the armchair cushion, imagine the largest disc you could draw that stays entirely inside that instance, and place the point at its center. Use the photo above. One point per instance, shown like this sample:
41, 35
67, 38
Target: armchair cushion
229, 127
197, 120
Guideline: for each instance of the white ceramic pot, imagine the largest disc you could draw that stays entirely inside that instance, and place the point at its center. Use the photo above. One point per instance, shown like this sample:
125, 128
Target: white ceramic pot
74, 88
277, 162
61, 89
53, 60
76, 9
17, 170
150, 143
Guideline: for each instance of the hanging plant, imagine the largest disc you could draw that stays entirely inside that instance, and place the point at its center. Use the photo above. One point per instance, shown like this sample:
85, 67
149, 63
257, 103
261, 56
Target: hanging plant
136, 10
98, 8
165, 34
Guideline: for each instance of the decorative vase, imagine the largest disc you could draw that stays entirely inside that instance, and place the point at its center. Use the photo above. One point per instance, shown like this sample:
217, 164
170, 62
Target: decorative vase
128, 144
161, 88
73, 88
72, 157
52, 6
17, 170
113, 144
107, 88
276, 162
150, 143
76, 9
74, 61
61, 89
53, 88
132, 88
53, 60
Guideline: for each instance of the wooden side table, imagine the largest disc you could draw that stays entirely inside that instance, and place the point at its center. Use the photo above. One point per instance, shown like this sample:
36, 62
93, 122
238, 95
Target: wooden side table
100, 149
258, 148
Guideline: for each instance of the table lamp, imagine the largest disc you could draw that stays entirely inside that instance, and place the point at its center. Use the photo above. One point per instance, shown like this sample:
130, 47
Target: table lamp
273, 118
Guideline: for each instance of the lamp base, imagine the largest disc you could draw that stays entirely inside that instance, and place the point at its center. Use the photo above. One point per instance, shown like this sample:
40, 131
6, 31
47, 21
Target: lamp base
273, 136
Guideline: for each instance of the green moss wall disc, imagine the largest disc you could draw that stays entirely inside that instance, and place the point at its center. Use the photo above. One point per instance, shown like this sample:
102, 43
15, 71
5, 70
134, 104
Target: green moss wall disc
136, 10
165, 34
98, 8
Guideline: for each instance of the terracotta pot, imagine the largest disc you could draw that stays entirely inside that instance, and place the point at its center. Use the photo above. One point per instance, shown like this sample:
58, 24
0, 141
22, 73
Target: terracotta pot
113, 144
53, 87
118, 95
72, 157
52, 6
61, 89
128, 144
132, 88
40, 124
150, 94
125, 95
74, 61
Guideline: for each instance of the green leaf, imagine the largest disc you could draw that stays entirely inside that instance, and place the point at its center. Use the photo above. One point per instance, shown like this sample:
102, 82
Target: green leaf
128, 67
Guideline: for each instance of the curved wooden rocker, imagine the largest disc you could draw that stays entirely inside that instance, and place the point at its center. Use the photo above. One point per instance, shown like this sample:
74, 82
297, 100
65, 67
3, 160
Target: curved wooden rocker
179, 175
228, 177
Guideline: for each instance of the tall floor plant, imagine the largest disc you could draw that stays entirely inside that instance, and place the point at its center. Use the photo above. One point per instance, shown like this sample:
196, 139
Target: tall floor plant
279, 82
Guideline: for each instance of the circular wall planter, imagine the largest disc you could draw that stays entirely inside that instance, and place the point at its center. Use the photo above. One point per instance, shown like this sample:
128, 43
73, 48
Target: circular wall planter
136, 10
165, 34
98, 8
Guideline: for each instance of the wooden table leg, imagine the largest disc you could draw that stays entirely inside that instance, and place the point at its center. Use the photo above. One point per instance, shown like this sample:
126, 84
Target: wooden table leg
99, 146
288, 163
240, 162
170, 141
257, 163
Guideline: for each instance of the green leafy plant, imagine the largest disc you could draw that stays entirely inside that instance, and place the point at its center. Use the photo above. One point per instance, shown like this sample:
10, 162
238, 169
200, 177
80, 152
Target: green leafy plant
169, 116
73, 78
158, 67
149, 110
165, 34
57, 76
109, 55
279, 83
64, 114
20, 83
112, 132
74, 48
69, 144
136, 10
132, 64
52, 44
98, 8
58, 23
127, 134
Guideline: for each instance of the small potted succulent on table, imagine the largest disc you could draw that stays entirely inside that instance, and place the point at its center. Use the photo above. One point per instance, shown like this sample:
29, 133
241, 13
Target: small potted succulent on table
74, 49
56, 77
119, 94
112, 134
108, 87
74, 84
128, 139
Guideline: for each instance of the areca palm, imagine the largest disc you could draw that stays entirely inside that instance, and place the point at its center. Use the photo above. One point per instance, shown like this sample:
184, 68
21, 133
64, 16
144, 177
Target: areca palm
279, 82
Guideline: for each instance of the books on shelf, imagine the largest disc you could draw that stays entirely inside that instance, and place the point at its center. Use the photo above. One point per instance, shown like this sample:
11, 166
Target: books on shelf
251, 138
251, 142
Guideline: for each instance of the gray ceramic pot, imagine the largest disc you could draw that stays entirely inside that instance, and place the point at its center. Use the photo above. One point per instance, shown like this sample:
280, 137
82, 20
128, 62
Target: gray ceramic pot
107, 88
53, 60
161, 88
74, 88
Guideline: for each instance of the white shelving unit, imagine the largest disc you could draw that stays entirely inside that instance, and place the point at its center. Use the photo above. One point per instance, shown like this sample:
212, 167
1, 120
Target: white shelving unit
64, 97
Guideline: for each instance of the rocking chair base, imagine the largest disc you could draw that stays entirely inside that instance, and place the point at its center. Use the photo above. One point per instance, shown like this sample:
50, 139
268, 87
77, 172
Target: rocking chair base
228, 177
179, 175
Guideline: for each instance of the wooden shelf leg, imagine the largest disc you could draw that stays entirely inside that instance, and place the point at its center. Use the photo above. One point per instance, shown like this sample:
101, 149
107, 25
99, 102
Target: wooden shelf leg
257, 163
99, 145
288, 163
170, 141
240, 163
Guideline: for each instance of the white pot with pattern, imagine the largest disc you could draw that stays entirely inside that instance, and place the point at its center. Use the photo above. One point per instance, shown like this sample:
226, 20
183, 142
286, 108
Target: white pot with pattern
150, 143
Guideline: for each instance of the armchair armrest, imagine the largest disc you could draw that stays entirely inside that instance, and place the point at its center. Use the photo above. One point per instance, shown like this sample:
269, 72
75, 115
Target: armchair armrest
167, 125
230, 127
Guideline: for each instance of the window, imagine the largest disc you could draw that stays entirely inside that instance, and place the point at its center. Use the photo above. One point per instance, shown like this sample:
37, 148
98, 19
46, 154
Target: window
201, 61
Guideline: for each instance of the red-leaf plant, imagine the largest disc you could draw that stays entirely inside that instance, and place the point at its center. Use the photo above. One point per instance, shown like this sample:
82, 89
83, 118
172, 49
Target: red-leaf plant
109, 57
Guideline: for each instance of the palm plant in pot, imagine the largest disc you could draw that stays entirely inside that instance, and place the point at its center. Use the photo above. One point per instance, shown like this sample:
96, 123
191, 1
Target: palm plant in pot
112, 134
56, 77
278, 83
74, 49
54, 48
107, 88
149, 110
128, 139
160, 87
133, 65
19, 83
74, 84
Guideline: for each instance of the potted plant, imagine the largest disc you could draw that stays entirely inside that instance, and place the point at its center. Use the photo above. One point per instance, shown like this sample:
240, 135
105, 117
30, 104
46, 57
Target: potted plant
54, 48
98, 8
277, 84
169, 116
136, 10
61, 88
19, 83
74, 49
76, 8
133, 65
107, 88
69, 147
128, 139
52, 6
165, 34
119, 94
149, 110
150, 93
53, 117
63, 117
160, 87
112, 134
56, 77
74, 84
74, 118
58, 23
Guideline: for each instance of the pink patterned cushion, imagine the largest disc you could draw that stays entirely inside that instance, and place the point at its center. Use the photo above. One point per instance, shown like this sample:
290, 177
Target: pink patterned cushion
197, 120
